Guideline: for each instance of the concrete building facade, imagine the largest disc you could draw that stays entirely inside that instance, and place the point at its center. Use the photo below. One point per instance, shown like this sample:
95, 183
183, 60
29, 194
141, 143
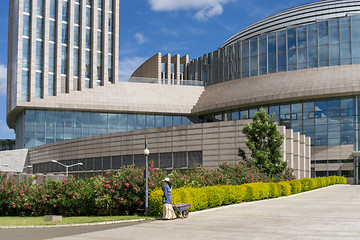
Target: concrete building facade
177, 147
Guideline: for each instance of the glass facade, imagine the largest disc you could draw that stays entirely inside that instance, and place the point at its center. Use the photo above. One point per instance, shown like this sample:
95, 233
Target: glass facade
58, 19
7, 144
327, 43
328, 122
46, 126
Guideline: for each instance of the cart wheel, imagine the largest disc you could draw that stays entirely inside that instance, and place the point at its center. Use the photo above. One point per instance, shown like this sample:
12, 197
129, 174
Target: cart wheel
185, 213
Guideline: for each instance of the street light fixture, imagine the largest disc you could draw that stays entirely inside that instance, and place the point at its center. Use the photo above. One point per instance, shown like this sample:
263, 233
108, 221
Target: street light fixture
67, 166
146, 153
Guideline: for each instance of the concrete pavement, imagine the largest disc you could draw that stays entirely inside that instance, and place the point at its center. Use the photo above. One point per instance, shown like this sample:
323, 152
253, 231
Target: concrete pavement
55, 232
330, 213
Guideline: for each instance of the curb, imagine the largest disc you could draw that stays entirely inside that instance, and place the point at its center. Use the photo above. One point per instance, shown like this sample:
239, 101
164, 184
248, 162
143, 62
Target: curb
75, 225
263, 200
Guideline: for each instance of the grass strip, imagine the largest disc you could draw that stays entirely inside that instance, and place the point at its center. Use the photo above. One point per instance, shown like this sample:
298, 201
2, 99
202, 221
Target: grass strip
25, 221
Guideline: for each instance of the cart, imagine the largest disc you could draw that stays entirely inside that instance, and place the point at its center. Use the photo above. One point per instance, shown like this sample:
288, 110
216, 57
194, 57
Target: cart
182, 209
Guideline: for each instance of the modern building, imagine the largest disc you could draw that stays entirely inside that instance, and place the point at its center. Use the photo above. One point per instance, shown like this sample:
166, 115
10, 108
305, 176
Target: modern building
57, 48
7, 144
301, 64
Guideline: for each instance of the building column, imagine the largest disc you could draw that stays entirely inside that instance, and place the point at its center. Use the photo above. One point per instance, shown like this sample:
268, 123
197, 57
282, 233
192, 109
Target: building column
297, 155
82, 44
302, 156
93, 26
58, 47
290, 148
33, 50
105, 33
116, 53
176, 60
70, 75
308, 157
46, 49
184, 60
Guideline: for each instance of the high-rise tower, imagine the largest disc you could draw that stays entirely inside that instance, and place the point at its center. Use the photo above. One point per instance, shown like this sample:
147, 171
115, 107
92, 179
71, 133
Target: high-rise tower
58, 47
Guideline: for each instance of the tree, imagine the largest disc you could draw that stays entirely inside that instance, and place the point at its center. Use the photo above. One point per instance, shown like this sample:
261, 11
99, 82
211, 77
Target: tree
264, 141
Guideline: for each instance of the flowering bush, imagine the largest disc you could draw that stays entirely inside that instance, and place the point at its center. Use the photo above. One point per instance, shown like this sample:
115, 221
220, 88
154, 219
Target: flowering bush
247, 172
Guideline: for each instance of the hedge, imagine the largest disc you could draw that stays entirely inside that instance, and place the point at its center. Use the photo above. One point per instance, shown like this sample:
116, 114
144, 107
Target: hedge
215, 196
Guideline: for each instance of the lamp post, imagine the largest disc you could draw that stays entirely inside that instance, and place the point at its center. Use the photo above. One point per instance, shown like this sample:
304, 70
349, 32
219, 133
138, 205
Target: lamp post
146, 153
67, 166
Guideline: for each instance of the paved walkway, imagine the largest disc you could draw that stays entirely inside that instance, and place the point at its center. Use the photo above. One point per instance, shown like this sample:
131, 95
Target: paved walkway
330, 213
46, 233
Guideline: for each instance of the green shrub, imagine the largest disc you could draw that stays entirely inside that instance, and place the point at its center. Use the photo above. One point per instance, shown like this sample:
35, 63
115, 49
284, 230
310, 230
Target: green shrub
215, 196
285, 188
297, 186
274, 190
155, 202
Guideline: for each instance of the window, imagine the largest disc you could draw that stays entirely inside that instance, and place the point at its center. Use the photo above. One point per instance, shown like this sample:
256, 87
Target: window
87, 64
39, 55
110, 69
39, 28
88, 39
110, 43
65, 14
99, 66
254, 57
64, 33
52, 57
76, 62
51, 85
110, 22
77, 14
40, 7
100, 4
27, 25
245, 59
27, 6
39, 83
26, 53
76, 36
64, 60
100, 15
52, 31
25, 86
99, 41
88, 17
53, 9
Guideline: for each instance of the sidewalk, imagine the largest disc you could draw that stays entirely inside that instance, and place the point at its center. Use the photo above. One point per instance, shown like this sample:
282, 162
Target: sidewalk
330, 213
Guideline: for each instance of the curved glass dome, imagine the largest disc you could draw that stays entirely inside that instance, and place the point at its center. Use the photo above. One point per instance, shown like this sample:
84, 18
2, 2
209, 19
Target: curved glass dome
300, 15
329, 42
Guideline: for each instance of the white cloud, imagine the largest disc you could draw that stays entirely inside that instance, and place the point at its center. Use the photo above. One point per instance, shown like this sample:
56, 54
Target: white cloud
128, 65
3, 80
140, 38
205, 8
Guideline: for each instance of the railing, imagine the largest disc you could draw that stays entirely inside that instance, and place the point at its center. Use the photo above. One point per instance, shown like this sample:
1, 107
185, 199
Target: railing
167, 81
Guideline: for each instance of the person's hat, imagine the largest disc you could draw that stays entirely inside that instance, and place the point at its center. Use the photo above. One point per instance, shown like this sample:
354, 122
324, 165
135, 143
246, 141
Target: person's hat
166, 179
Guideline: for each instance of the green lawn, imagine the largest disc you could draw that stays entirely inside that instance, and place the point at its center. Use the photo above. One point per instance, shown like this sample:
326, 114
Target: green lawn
22, 221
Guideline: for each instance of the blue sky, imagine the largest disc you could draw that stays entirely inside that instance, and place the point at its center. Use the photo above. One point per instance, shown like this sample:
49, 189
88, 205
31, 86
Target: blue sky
192, 27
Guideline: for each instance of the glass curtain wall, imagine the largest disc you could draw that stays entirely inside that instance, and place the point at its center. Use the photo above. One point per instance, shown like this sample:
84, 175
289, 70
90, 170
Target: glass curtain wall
327, 122
328, 43
46, 126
